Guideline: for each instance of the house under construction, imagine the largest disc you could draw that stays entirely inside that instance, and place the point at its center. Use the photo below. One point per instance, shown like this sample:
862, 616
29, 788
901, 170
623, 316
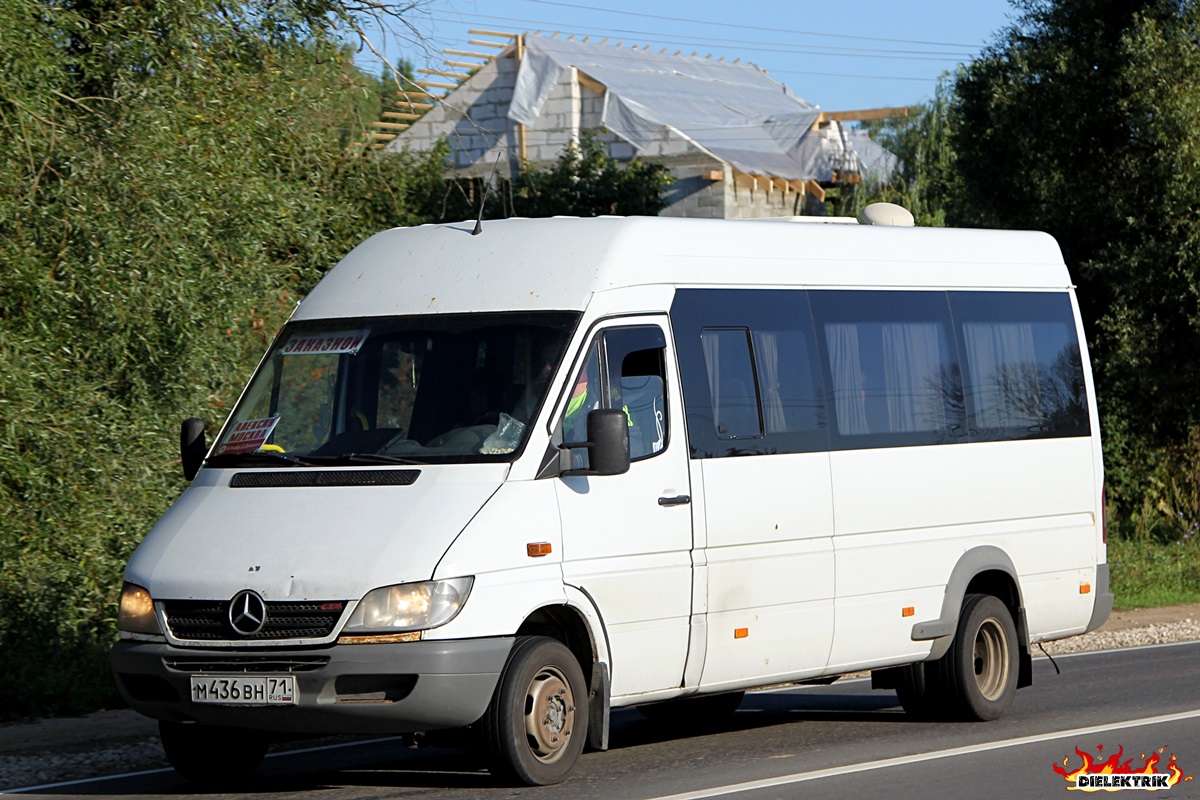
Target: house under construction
739, 143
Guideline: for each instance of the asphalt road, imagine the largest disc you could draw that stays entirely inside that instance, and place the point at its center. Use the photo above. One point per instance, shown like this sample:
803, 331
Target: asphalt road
838, 741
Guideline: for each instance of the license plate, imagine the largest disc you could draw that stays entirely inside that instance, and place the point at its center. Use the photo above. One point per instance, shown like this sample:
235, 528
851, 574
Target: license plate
244, 690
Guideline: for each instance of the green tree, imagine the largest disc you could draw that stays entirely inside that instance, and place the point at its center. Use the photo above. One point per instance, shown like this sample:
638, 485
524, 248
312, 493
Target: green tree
172, 180
926, 179
1083, 120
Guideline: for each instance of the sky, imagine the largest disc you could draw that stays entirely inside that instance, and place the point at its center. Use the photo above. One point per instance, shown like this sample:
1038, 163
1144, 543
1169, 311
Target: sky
840, 56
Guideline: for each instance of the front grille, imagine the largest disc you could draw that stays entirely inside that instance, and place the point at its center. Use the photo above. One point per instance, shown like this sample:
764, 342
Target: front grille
245, 663
208, 620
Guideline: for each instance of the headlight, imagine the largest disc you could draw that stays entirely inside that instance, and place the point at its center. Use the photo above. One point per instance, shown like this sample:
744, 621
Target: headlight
409, 607
136, 612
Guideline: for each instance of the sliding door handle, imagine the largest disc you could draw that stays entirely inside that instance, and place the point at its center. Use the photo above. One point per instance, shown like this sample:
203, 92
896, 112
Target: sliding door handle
677, 500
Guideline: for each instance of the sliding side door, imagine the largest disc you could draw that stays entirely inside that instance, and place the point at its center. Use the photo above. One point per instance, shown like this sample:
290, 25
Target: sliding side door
758, 439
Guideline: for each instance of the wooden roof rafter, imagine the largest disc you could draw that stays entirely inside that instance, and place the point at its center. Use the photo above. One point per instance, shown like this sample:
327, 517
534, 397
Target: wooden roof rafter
860, 115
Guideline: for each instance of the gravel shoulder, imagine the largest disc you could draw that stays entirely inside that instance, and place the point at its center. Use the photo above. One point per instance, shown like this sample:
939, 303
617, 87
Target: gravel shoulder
118, 741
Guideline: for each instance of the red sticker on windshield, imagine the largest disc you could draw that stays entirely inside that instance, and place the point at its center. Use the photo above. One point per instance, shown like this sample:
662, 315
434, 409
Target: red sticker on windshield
248, 436
330, 343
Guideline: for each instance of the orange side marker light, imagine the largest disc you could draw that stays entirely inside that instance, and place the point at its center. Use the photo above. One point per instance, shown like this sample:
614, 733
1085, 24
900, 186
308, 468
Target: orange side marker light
1085, 588
741, 633
535, 549
908, 611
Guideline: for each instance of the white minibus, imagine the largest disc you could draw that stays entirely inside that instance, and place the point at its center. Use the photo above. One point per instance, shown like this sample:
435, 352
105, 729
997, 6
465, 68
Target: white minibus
510, 481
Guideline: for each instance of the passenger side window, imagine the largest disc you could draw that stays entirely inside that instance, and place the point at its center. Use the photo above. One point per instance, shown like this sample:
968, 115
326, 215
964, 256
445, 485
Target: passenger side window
730, 367
892, 366
788, 381
751, 373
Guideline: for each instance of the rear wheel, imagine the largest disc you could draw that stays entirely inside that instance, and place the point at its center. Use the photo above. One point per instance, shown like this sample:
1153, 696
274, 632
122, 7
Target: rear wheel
920, 691
982, 664
536, 725
212, 756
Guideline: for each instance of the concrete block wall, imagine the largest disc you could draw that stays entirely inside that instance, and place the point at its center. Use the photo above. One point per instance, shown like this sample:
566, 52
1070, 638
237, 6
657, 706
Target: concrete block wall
474, 120
693, 195
558, 125
744, 200
591, 108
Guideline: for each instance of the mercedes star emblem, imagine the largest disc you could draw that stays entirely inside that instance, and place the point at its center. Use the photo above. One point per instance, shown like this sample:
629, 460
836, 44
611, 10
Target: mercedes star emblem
247, 612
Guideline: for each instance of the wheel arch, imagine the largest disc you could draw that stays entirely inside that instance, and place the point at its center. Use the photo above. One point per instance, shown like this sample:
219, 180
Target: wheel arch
981, 570
577, 624
564, 624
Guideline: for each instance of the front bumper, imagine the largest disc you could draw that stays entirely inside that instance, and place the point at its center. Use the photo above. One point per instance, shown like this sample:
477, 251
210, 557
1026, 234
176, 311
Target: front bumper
376, 688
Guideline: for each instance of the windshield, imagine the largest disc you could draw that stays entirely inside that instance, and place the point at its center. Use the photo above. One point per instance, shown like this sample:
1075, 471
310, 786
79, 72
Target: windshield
419, 389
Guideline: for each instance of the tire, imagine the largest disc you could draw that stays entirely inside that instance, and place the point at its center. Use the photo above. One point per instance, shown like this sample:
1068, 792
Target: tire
921, 693
980, 668
536, 725
694, 711
212, 756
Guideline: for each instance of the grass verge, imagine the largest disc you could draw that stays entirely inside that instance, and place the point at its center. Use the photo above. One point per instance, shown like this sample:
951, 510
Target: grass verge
1149, 572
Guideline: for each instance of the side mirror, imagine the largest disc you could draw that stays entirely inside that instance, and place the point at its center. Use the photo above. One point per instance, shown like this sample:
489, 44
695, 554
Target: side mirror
608, 431
607, 444
192, 446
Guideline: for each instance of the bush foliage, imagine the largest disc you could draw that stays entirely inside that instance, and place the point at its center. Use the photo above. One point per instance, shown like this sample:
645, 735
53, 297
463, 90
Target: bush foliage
172, 180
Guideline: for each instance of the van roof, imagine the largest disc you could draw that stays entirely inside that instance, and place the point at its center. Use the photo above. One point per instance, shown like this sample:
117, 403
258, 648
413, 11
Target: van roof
558, 263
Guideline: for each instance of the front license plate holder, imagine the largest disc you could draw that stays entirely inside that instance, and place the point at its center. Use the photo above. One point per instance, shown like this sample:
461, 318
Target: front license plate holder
244, 690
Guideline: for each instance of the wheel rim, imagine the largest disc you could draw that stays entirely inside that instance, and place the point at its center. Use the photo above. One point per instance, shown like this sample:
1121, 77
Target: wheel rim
990, 657
549, 714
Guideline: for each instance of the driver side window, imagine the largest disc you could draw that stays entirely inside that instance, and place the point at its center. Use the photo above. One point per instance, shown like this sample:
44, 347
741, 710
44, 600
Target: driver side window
624, 369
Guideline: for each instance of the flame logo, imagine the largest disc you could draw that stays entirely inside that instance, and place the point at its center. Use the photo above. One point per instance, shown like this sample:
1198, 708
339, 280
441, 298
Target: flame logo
1114, 766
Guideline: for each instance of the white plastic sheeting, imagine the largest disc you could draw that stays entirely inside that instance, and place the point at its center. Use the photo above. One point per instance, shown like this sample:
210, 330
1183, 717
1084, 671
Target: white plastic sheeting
852, 151
876, 164
734, 111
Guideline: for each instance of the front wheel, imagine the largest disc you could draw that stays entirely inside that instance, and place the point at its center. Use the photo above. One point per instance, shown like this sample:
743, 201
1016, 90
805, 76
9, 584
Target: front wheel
536, 725
212, 756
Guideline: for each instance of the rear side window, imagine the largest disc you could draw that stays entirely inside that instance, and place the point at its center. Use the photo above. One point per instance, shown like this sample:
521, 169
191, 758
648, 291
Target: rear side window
1022, 367
892, 368
791, 371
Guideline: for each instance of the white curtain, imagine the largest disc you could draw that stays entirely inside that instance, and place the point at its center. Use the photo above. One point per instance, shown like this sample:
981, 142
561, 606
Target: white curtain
766, 349
848, 395
1004, 375
912, 377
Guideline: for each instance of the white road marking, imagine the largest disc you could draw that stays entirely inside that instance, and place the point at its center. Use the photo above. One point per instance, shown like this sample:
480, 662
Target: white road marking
867, 766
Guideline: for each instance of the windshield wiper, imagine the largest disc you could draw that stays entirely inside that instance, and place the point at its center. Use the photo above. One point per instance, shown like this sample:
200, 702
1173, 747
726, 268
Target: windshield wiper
362, 458
260, 458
